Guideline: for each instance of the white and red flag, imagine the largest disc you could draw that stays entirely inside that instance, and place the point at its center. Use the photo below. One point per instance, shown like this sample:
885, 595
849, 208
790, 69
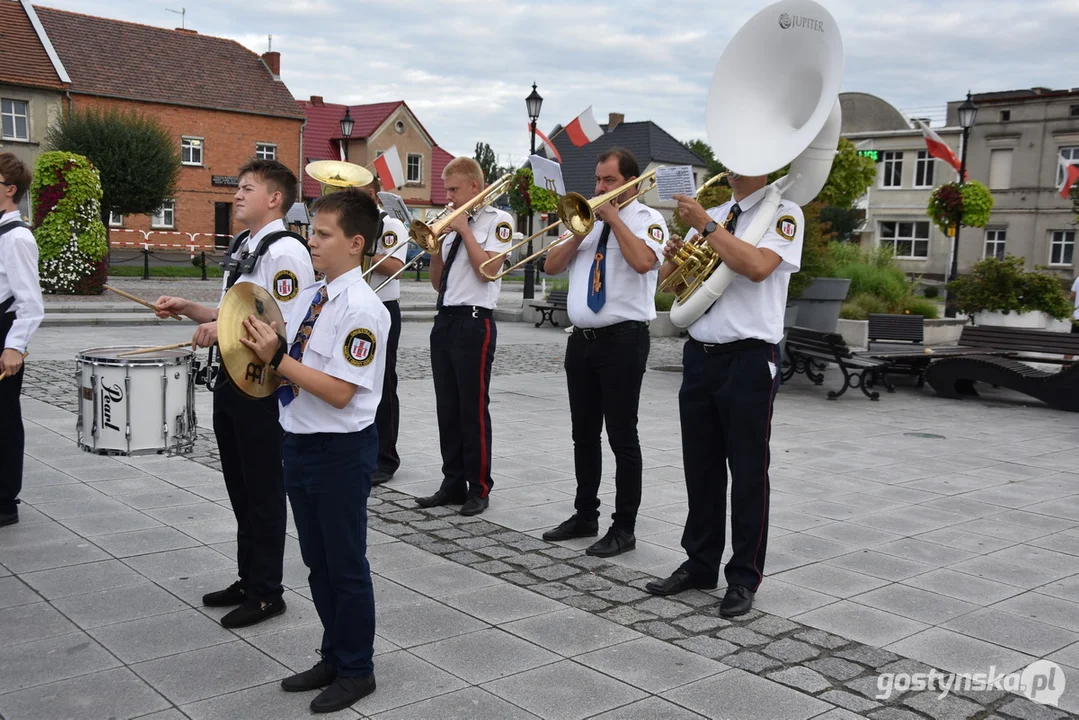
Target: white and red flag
1071, 175
388, 167
584, 128
937, 147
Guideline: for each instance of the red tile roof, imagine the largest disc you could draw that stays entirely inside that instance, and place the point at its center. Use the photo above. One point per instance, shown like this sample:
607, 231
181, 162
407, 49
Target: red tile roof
23, 60
439, 160
120, 59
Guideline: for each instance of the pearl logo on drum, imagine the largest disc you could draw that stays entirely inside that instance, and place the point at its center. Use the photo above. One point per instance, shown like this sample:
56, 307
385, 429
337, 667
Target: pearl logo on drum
110, 394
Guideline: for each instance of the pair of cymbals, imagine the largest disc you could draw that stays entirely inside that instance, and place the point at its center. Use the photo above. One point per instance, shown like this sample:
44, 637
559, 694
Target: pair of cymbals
250, 375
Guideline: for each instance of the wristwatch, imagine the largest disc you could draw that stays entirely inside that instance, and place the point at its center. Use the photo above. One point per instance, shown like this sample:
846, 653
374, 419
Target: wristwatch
709, 229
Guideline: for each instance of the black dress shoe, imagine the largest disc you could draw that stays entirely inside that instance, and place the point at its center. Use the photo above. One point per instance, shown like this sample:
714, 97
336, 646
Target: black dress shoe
475, 505
9, 518
679, 580
232, 595
343, 693
442, 497
321, 675
737, 601
253, 612
615, 542
575, 527
380, 476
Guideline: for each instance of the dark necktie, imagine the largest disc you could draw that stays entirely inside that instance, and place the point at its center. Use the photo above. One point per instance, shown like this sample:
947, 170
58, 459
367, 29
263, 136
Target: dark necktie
288, 391
446, 270
597, 290
732, 218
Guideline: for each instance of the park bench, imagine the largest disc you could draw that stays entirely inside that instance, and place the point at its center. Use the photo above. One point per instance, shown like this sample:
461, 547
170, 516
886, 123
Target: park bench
885, 327
555, 301
806, 347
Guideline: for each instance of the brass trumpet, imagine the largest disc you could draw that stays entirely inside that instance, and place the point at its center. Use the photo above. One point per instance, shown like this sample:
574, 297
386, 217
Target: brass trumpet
429, 236
578, 213
695, 261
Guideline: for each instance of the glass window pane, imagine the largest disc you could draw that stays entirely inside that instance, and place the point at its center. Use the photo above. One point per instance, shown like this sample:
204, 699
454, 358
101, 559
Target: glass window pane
906, 229
903, 248
9, 126
7, 106
887, 229
20, 128
921, 230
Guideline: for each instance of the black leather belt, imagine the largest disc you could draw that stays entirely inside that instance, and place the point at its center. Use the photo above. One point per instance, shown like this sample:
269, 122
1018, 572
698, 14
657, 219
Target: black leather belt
466, 311
603, 332
733, 346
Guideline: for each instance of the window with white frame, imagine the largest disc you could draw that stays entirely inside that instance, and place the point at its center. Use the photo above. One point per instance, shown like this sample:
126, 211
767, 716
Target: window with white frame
892, 168
923, 169
1000, 169
994, 244
414, 169
266, 151
1068, 153
191, 151
115, 219
908, 240
16, 119
1062, 247
165, 216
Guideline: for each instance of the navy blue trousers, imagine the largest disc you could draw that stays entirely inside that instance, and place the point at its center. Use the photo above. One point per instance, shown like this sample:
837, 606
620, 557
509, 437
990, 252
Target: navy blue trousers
328, 481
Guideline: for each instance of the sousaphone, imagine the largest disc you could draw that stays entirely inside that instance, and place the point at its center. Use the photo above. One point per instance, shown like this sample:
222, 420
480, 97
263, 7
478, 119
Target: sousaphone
773, 101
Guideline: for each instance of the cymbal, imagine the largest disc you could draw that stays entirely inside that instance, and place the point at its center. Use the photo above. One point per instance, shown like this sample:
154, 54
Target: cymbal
248, 374
339, 174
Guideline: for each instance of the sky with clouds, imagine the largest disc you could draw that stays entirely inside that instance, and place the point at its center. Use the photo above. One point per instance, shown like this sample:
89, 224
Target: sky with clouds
465, 66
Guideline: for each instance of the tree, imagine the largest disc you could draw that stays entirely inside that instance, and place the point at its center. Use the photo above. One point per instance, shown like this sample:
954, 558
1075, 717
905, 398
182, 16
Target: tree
704, 150
137, 158
851, 176
488, 161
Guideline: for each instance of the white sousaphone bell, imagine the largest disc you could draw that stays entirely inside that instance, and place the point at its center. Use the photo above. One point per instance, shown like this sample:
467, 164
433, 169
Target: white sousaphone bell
773, 101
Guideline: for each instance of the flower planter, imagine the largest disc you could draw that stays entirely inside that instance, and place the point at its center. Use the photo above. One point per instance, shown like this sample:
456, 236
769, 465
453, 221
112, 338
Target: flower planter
855, 333
1036, 320
818, 308
663, 327
943, 331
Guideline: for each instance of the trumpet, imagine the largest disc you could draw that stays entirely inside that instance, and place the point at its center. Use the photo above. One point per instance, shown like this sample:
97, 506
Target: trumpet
578, 213
429, 236
695, 260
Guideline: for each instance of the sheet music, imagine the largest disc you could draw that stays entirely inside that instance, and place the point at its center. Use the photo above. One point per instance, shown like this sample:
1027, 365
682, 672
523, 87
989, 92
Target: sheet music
547, 174
677, 180
396, 207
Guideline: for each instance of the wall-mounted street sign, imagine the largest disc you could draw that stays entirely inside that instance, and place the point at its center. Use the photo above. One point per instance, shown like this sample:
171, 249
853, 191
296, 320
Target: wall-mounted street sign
225, 180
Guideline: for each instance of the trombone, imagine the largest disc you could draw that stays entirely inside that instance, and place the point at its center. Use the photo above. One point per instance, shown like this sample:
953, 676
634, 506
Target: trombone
579, 215
695, 260
429, 235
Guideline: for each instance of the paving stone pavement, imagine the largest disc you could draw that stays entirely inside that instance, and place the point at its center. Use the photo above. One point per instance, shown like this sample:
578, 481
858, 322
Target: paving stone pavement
908, 533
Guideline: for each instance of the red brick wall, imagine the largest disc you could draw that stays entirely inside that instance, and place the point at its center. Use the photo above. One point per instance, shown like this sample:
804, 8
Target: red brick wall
228, 142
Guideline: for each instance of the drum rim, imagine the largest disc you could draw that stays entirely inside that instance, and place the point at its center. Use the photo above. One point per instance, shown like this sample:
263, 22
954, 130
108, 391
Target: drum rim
184, 358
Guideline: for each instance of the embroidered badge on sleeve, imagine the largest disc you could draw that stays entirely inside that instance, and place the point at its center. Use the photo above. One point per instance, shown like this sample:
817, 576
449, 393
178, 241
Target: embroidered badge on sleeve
787, 226
656, 232
389, 239
359, 348
285, 285
504, 231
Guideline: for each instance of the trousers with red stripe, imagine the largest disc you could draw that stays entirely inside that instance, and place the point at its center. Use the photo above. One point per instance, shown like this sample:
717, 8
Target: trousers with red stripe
725, 406
462, 352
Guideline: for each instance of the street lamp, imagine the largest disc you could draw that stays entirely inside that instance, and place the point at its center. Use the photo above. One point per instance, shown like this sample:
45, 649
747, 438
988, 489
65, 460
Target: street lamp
533, 103
346, 132
968, 111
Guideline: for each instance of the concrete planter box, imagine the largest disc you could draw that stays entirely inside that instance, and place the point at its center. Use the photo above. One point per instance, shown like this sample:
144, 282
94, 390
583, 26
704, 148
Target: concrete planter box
943, 331
818, 308
1035, 320
663, 327
855, 332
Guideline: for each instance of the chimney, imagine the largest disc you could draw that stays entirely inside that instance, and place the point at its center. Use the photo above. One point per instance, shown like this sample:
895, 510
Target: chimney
614, 120
317, 101
273, 61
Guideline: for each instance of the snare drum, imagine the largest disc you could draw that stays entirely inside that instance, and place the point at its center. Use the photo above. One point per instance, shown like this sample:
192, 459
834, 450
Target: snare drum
136, 405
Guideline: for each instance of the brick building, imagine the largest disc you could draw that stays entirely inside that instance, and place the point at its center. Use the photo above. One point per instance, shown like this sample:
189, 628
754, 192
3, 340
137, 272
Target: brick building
377, 127
223, 103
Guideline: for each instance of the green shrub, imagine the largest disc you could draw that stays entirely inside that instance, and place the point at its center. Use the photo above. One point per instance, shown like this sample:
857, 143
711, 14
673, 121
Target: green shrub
920, 306
995, 285
888, 284
931, 291
664, 301
859, 306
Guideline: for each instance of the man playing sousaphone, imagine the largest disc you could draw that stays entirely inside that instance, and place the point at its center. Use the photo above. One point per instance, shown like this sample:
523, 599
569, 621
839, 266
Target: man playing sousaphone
730, 377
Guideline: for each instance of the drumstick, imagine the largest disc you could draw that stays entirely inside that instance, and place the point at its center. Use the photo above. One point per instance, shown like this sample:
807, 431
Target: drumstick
138, 300
143, 351
4, 374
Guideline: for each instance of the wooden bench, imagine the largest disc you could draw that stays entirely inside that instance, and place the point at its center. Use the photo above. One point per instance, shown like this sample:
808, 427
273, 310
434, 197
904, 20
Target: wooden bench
896, 328
556, 301
955, 377
805, 347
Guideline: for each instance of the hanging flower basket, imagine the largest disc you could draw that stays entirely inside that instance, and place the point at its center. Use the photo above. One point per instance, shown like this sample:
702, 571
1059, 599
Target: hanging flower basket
525, 197
969, 203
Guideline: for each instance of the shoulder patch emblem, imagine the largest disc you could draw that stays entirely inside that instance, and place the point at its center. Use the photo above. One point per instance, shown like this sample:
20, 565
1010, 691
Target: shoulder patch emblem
787, 226
359, 347
504, 231
389, 239
285, 285
656, 232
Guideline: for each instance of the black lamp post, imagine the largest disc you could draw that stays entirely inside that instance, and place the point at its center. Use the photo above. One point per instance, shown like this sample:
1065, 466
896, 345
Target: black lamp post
967, 112
346, 132
533, 103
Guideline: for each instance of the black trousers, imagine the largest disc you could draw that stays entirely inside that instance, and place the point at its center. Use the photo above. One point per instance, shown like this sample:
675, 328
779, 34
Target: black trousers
249, 440
725, 405
12, 433
604, 377
388, 415
462, 351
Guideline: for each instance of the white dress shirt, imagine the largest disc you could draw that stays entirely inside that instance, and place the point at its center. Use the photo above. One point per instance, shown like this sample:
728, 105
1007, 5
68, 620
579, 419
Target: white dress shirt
394, 242
630, 295
19, 279
348, 343
282, 271
493, 230
747, 309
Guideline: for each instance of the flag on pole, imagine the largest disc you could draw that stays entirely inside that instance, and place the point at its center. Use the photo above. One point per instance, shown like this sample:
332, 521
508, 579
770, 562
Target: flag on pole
547, 147
1071, 175
937, 147
388, 167
584, 128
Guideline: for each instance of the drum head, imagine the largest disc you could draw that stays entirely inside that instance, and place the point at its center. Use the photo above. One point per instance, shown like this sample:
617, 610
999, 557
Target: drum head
112, 355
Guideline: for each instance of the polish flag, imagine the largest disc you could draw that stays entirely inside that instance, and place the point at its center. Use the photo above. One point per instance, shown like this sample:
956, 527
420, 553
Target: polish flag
388, 167
937, 147
547, 147
584, 128
1071, 175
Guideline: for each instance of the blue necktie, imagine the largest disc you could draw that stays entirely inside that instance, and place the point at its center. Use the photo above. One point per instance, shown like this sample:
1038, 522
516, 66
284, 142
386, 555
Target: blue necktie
288, 390
446, 270
597, 289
